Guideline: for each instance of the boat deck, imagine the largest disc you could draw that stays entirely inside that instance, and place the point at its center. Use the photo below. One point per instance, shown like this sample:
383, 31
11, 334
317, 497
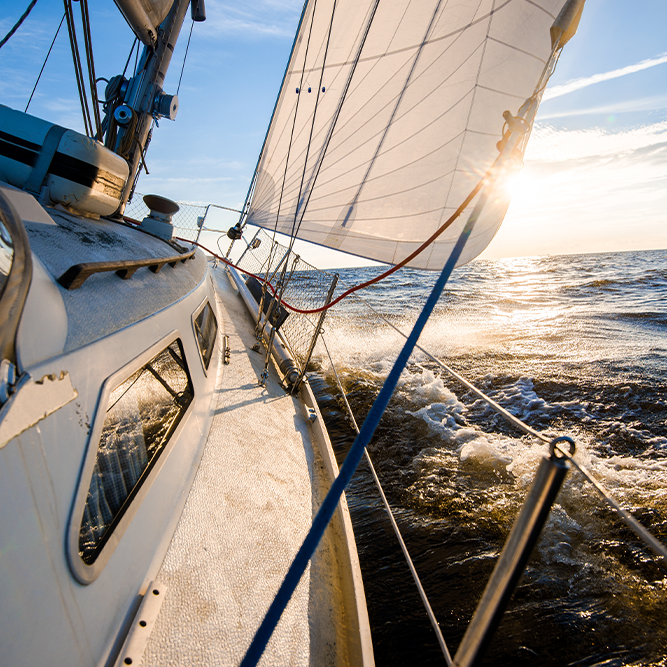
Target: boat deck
252, 502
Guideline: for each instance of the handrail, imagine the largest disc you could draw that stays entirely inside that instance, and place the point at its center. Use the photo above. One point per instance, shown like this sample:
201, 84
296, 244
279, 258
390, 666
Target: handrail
15, 290
76, 275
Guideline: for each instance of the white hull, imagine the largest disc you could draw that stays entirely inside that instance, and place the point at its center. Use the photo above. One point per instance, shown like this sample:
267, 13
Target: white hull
59, 609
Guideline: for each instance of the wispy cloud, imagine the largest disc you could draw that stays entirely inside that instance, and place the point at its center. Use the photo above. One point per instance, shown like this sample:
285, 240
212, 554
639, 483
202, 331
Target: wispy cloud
548, 144
261, 18
584, 82
652, 103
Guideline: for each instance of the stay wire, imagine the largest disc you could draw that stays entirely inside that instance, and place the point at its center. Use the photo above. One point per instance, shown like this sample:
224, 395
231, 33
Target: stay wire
339, 108
253, 181
394, 525
127, 62
515, 421
17, 25
185, 57
88, 47
281, 281
78, 70
296, 227
296, 111
41, 71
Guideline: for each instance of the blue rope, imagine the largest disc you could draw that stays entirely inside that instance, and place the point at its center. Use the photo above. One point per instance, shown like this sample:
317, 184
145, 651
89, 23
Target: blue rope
328, 507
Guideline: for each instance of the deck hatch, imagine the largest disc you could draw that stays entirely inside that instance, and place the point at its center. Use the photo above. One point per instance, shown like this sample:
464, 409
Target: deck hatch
142, 414
206, 330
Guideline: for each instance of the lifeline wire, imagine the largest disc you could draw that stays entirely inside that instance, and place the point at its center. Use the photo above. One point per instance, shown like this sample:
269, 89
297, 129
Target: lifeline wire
452, 218
637, 528
328, 507
629, 520
295, 226
394, 525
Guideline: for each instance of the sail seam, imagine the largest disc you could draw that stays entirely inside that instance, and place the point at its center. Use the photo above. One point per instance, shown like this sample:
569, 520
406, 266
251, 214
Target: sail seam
467, 123
435, 40
516, 48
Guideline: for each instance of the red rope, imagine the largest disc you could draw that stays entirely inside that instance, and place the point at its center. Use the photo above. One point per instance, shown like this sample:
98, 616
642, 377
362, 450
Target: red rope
452, 218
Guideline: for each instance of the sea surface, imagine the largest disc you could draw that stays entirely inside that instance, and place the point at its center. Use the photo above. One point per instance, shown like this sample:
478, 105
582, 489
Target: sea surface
573, 345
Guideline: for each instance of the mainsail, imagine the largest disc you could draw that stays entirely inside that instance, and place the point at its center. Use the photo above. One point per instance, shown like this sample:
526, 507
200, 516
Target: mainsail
389, 114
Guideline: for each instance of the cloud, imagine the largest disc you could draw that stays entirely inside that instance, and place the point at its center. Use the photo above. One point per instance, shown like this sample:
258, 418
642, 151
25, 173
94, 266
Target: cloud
653, 103
548, 144
261, 18
584, 82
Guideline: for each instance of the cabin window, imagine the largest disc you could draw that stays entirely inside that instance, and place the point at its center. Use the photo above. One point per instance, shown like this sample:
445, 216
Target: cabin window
142, 414
206, 330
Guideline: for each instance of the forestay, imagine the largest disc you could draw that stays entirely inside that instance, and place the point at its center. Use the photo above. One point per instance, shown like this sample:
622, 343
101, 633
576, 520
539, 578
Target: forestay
388, 116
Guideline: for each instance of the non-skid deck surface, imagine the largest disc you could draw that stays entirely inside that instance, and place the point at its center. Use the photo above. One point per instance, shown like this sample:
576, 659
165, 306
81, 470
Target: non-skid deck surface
251, 505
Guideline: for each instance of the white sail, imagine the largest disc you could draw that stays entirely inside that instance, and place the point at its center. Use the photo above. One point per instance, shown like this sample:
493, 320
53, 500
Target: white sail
144, 16
397, 115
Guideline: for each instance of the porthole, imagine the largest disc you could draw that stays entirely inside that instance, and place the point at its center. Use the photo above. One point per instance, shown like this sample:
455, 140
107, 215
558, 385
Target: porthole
206, 331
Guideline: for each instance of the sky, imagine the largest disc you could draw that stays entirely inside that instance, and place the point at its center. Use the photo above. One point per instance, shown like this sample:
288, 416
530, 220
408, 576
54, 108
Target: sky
595, 173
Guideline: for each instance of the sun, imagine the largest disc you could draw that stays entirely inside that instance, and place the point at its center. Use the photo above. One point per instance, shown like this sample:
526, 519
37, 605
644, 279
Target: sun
522, 186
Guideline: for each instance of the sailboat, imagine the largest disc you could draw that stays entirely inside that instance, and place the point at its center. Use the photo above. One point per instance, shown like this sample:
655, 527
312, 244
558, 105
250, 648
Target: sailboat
138, 466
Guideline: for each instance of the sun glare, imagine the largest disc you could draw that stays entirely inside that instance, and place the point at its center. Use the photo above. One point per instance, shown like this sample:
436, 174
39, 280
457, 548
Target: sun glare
522, 186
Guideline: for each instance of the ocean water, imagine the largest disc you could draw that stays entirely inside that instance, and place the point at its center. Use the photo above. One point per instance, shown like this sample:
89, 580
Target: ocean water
573, 345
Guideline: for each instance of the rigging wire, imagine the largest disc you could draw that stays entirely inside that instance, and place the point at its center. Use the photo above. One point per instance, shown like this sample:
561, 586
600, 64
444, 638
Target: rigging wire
253, 180
330, 502
78, 70
185, 57
473, 193
129, 56
343, 96
17, 25
281, 281
88, 47
39, 76
394, 525
632, 523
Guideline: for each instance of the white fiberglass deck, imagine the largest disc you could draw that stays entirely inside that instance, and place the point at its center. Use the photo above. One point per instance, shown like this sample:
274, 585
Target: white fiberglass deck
258, 485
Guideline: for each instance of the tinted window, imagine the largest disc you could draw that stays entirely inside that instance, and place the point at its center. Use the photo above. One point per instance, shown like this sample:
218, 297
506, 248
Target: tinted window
143, 412
206, 328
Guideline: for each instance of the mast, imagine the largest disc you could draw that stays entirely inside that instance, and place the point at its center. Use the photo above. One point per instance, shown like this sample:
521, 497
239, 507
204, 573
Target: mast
142, 99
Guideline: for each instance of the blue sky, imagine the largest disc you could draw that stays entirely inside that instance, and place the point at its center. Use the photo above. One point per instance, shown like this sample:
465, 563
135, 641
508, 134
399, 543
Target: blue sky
595, 176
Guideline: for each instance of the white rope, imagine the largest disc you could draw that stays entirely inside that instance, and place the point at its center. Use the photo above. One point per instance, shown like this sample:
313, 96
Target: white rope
390, 514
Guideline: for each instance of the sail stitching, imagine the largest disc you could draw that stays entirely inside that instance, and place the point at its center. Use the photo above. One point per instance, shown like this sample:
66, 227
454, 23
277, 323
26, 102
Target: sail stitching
342, 99
417, 103
295, 227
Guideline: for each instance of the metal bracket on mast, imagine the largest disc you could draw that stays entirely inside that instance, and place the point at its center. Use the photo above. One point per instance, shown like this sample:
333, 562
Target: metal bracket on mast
144, 90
